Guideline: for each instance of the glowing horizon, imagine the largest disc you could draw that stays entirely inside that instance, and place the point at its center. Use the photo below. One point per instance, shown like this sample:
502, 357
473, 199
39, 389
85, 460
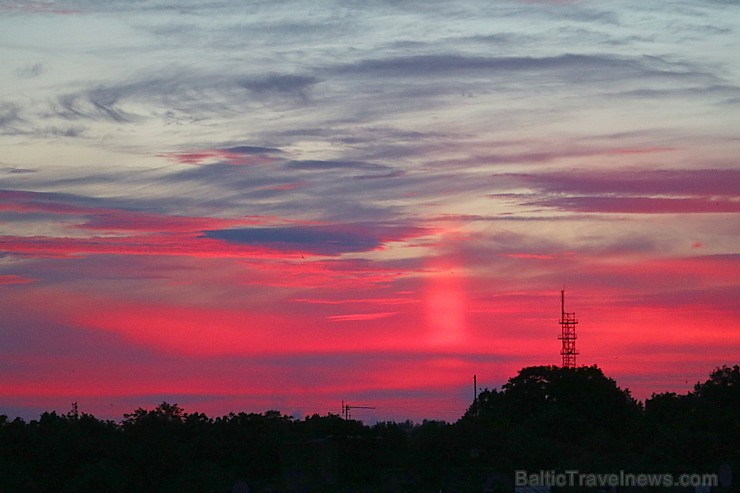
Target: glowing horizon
256, 206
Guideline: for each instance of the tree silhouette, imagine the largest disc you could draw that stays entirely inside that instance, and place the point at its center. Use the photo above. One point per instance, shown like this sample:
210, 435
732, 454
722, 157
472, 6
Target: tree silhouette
545, 417
700, 429
548, 416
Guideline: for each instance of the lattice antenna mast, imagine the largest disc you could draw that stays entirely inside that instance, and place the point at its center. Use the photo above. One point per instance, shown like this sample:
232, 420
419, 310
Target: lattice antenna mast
567, 334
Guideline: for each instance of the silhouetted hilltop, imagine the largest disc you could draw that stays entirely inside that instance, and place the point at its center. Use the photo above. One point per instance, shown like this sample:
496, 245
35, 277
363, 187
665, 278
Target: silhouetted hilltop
545, 418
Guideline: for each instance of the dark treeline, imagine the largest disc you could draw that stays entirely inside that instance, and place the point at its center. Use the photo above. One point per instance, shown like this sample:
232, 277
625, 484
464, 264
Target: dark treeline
545, 418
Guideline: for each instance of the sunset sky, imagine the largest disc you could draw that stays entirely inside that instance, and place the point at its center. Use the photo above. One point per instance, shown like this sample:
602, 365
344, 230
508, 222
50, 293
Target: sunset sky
244, 206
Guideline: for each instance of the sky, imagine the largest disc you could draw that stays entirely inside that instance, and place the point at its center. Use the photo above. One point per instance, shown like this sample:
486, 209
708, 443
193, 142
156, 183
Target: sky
245, 206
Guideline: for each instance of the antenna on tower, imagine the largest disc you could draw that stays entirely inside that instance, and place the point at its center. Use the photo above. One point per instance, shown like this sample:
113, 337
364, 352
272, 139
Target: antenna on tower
567, 334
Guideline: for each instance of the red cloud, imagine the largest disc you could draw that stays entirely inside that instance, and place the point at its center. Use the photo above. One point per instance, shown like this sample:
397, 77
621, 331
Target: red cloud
355, 317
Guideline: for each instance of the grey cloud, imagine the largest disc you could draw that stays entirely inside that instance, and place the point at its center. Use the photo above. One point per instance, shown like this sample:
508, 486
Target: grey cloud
182, 7
67, 131
576, 66
17, 171
180, 92
316, 165
549, 10
9, 115
315, 239
12, 123
99, 104
30, 71
281, 84
724, 93
251, 150
222, 175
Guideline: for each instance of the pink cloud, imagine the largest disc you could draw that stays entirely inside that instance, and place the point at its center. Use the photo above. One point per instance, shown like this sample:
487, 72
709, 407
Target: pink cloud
236, 156
529, 256
356, 317
371, 301
640, 150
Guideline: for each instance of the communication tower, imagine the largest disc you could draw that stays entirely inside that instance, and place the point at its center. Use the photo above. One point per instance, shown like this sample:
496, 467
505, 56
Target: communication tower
567, 334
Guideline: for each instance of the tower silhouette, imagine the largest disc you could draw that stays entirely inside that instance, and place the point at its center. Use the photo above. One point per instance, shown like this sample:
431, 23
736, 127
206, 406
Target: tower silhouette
567, 334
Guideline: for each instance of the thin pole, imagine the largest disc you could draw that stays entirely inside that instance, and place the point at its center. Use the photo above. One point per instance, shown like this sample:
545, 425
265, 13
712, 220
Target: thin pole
475, 390
562, 304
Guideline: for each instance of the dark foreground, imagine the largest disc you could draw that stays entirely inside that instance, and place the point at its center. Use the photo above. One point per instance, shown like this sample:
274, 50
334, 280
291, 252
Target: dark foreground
545, 421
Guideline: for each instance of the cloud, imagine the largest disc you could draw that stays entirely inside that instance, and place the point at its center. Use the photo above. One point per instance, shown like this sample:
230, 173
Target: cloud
322, 240
316, 165
9, 116
630, 190
303, 207
17, 171
359, 317
250, 150
640, 205
300, 238
172, 93
96, 104
281, 84
36, 7
573, 67
240, 155
30, 71
100, 215
704, 182
369, 301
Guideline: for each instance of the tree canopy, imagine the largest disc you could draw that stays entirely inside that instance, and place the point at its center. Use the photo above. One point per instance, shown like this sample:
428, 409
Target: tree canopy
545, 417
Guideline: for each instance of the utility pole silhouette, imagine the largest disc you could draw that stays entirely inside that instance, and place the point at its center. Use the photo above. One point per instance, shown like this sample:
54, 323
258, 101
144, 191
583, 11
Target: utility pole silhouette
475, 393
346, 409
567, 334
